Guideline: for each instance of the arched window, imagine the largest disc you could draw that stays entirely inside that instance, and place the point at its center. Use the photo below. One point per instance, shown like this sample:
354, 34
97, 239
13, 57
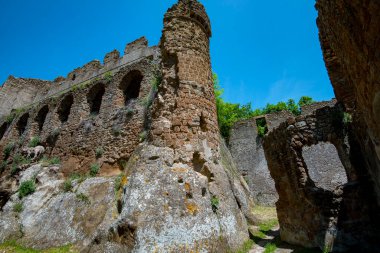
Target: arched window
94, 98
41, 116
65, 108
130, 85
22, 123
3, 129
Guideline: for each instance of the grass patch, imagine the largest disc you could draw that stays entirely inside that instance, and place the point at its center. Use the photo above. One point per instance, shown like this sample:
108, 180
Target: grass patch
34, 142
268, 225
68, 185
246, 247
267, 220
214, 203
94, 169
26, 188
143, 136
18, 207
99, 152
270, 248
14, 247
118, 182
8, 149
84, 198
3, 166
45, 161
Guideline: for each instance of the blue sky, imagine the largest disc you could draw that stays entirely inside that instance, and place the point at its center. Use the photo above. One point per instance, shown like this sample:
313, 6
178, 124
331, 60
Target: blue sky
263, 51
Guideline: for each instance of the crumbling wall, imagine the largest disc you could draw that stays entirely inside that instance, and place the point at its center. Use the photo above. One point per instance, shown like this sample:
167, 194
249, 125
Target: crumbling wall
311, 108
247, 151
18, 92
323, 187
349, 36
95, 121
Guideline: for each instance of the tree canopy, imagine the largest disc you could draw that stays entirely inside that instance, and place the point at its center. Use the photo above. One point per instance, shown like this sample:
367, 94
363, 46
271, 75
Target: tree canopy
230, 113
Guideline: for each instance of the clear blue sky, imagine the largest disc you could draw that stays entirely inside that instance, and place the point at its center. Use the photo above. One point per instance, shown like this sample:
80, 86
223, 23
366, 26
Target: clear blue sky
263, 51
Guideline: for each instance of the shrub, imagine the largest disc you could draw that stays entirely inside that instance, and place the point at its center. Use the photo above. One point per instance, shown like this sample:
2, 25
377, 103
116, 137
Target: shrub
8, 149
10, 118
94, 169
17, 207
246, 247
270, 248
99, 152
347, 118
84, 198
3, 165
34, 142
67, 186
108, 76
17, 161
116, 131
143, 136
26, 188
214, 203
14, 169
54, 161
118, 180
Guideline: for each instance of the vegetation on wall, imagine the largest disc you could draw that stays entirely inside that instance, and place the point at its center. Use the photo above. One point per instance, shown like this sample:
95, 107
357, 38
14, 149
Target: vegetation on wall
230, 113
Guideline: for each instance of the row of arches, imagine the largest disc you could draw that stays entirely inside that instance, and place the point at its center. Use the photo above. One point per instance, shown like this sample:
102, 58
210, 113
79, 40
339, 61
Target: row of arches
130, 86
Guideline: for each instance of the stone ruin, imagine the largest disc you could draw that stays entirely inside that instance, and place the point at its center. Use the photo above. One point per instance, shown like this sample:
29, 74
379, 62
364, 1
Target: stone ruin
318, 206
149, 116
248, 152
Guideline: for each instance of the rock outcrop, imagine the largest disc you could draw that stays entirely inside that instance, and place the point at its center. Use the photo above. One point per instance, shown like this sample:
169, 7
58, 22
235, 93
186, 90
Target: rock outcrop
322, 182
349, 36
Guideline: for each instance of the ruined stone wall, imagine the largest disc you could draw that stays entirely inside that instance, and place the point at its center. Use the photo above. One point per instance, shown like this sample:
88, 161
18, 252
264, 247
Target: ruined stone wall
100, 120
309, 109
18, 92
324, 190
248, 154
349, 36
275, 119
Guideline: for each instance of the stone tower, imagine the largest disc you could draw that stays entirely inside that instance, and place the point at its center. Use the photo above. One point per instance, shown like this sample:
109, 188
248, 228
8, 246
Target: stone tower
185, 115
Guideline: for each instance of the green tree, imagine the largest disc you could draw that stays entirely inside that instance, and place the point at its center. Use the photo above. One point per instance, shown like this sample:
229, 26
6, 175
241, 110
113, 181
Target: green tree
229, 113
305, 100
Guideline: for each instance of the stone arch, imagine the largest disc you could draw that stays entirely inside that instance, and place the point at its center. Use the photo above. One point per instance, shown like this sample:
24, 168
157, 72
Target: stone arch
95, 97
22, 123
3, 129
41, 116
324, 165
65, 108
131, 85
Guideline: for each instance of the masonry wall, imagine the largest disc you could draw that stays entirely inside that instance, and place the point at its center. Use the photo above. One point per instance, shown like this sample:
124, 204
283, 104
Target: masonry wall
323, 187
100, 120
248, 154
185, 111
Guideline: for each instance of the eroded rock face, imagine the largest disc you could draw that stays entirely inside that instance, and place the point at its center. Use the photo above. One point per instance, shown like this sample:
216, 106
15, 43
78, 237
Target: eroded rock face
310, 158
167, 206
52, 217
349, 35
